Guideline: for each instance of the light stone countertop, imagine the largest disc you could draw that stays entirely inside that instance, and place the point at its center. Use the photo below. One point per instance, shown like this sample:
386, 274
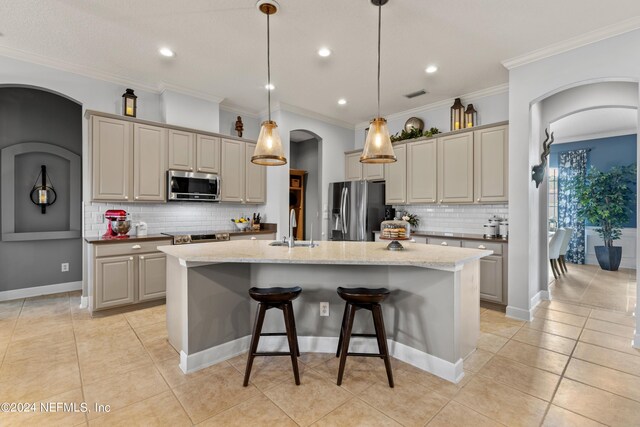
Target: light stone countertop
343, 253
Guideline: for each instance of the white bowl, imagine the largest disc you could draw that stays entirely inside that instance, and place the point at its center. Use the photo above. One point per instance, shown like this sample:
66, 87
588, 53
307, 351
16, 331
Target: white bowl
242, 226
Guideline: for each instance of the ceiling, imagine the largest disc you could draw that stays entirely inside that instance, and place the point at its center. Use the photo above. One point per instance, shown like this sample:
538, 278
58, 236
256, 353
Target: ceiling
597, 123
220, 45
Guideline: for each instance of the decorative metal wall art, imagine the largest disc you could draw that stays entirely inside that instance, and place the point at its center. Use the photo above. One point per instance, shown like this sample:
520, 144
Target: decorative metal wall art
538, 171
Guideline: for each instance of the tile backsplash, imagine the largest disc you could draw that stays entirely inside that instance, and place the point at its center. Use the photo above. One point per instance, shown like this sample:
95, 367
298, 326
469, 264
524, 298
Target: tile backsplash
455, 218
174, 216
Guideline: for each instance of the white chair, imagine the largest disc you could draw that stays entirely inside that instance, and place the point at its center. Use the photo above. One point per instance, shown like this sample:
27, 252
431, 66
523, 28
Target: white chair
568, 233
554, 251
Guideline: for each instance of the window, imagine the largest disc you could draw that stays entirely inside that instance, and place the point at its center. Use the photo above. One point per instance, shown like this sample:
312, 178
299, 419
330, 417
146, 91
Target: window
553, 197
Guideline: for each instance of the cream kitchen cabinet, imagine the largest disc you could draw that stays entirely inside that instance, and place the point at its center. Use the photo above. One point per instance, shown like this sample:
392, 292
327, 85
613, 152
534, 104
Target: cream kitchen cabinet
149, 163
422, 171
111, 159
207, 154
491, 279
352, 167
114, 281
455, 168
182, 150
491, 164
396, 177
152, 276
241, 180
261, 236
372, 171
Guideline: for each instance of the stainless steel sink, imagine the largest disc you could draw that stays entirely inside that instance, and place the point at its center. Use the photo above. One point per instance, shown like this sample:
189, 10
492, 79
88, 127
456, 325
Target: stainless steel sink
298, 244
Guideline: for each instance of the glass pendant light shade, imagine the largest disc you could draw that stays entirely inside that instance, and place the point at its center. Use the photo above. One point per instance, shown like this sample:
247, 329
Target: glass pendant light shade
268, 150
377, 147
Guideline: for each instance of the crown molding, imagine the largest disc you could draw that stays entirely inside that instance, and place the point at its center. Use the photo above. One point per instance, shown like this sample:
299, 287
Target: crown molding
281, 106
163, 87
471, 96
74, 68
240, 111
599, 135
574, 42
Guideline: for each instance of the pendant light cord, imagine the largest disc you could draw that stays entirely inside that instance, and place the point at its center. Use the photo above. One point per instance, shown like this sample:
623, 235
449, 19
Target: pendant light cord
268, 68
379, 38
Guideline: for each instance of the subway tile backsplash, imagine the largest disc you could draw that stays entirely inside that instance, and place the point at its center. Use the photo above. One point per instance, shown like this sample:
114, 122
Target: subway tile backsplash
455, 218
166, 217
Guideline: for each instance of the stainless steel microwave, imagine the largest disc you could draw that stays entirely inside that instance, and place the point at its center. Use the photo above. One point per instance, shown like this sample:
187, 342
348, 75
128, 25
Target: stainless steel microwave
192, 186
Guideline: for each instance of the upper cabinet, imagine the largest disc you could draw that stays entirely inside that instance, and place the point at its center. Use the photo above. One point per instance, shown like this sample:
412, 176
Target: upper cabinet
255, 178
207, 154
372, 171
396, 177
455, 168
241, 180
356, 171
182, 153
150, 162
422, 176
491, 164
112, 157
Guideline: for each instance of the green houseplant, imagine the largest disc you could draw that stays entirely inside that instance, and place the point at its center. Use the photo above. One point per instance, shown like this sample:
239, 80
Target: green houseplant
604, 200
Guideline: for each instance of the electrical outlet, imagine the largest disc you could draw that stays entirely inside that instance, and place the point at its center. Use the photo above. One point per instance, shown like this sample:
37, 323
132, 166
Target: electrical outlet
64, 266
324, 309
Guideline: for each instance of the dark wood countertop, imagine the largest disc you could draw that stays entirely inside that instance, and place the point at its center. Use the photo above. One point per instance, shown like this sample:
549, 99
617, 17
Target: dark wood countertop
102, 240
461, 236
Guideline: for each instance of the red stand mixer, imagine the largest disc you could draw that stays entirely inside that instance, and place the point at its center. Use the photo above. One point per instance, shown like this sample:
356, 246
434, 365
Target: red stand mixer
118, 224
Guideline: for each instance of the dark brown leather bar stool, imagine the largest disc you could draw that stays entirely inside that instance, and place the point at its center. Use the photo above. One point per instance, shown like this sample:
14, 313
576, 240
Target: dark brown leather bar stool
279, 298
367, 299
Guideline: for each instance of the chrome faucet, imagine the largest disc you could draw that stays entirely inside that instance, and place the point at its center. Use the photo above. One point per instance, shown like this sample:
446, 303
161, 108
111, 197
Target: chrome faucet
292, 223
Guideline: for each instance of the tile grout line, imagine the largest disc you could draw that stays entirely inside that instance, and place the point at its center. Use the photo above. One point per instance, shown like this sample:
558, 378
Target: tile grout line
15, 325
75, 342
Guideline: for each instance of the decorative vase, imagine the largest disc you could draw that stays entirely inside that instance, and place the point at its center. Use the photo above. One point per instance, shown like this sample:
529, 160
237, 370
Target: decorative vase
609, 257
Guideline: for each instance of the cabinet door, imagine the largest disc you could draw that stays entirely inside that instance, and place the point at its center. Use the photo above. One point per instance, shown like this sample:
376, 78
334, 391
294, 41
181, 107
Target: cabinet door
255, 178
152, 276
114, 281
352, 167
112, 153
396, 178
207, 154
181, 150
232, 171
491, 164
422, 171
491, 278
150, 163
455, 168
372, 171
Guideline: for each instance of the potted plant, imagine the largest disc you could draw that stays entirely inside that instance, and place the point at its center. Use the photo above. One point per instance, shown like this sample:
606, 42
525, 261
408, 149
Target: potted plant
604, 199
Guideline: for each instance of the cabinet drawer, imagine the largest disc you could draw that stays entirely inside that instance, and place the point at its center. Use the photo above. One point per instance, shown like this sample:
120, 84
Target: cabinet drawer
495, 247
419, 239
129, 248
444, 242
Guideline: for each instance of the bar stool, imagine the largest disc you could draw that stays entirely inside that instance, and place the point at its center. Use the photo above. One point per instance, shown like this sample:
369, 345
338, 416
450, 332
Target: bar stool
279, 298
367, 299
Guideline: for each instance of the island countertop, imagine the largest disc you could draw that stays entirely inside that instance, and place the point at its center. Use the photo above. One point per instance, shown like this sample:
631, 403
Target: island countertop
340, 253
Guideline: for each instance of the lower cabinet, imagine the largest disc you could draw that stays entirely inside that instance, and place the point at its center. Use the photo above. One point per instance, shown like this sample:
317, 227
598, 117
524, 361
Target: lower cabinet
263, 236
491, 279
122, 275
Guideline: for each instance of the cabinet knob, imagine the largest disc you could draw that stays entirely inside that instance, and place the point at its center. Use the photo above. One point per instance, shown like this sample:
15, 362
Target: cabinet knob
440, 200
482, 247
136, 247
141, 256
126, 197
130, 258
478, 199
137, 197
444, 244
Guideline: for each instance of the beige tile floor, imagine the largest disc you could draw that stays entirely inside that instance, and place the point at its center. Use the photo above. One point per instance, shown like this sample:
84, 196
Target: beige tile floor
572, 366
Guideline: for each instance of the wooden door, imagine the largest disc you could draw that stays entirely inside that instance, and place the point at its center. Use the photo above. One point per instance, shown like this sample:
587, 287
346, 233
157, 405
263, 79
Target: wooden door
114, 281
255, 178
152, 276
491, 164
207, 154
422, 174
181, 150
112, 153
491, 278
396, 177
150, 163
232, 170
352, 167
455, 168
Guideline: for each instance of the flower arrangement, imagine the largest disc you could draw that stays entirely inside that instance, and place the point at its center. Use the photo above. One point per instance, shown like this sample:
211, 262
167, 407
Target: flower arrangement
412, 219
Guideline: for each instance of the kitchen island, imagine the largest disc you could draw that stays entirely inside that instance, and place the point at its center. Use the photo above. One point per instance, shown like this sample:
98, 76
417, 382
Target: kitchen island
432, 315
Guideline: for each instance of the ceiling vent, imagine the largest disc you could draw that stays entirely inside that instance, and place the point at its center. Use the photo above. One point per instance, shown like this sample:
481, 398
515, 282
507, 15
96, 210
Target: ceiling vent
416, 94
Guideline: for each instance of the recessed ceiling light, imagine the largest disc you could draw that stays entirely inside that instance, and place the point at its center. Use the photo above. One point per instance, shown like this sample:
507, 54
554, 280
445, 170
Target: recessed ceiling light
324, 52
342, 101
165, 51
269, 87
431, 69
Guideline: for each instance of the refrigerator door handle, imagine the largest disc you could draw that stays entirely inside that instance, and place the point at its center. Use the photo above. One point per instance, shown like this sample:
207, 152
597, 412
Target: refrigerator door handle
342, 209
345, 219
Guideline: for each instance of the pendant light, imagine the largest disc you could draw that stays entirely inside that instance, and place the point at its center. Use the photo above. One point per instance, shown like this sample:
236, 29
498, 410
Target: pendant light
268, 150
377, 147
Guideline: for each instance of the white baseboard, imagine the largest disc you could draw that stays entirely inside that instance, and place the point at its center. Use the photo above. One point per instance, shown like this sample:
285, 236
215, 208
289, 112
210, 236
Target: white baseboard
636, 341
537, 298
40, 290
449, 371
84, 302
519, 313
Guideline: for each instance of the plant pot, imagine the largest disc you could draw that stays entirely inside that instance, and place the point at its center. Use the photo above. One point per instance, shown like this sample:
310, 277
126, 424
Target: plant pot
609, 257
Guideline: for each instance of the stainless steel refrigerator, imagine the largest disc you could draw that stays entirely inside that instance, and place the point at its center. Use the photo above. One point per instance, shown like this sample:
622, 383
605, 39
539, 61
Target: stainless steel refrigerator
356, 209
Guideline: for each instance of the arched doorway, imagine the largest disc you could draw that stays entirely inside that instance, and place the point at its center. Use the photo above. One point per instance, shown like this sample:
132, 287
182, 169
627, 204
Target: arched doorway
306, 155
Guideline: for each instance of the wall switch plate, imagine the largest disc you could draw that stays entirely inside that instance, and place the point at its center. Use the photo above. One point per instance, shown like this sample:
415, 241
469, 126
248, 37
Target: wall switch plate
324, 309
64, 266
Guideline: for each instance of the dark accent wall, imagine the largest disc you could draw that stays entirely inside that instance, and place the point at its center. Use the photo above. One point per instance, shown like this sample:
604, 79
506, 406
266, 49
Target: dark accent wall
605, 153
32, 115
